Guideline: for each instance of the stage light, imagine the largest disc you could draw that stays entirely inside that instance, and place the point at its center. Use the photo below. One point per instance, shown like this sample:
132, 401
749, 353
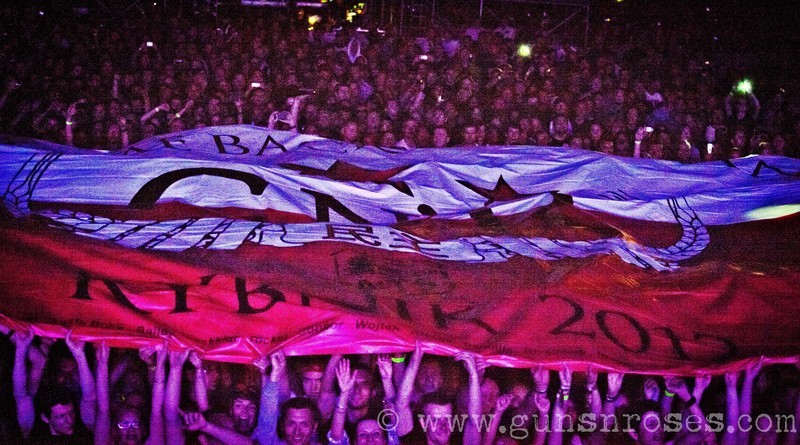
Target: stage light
524, 50
745, 86
314, 19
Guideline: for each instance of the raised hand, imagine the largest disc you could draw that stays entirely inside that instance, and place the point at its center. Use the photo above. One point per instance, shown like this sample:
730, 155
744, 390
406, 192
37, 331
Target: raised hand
194, 421
565, 375
262, 363
614, 384
591, 378
541, 378
732, 379
701, 382
542, 403
384, 366
195, 360
502, 404
102, 352
278, 362
677, 385
148, 355
22, 339
469, 362
753, 368
177, 358
344, 377
651, 389
75, 346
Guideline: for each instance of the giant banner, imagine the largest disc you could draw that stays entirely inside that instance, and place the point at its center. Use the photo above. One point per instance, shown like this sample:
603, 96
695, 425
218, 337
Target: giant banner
238, 241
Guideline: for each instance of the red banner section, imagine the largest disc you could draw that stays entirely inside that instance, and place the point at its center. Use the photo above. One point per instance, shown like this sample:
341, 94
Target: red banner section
735, 303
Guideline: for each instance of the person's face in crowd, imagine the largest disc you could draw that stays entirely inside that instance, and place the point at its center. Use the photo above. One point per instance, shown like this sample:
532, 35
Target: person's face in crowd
299, 427
470, 135
686, 133
243, 412
259, 97
490, 391
388, 139
440, 415
440, 137
561, 125
239, 82
67, 374
632, 117
778, 145
513, 136
650, 431
684, 152
429, 377
739, 139
373, 121
621, 145
607, 147
542, 138
176, 125
312, 382
362, 390
392, 109
409, 130
596, 132
62, 420
369, 432
129, 429
98, 112
343, 93
619, 96
350, 132
439, 118
214, 106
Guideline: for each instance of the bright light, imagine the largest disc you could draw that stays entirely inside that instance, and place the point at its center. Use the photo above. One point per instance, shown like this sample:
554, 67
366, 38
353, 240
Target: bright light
745, 86
773, 212
524, 50
312, 20
608, 19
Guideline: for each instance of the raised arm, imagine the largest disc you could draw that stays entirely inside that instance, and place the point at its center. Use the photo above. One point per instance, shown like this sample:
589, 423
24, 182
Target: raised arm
327, 394
151, 113
195, 421
610, 403
346, 382
38, 358
385, 369
25, 411
541, 380
405, 420
173, 427
555, 437
731, 407
88, 390
156, 436
500, 407
200, 386
472, 433
266, 432
102, 424
746, 397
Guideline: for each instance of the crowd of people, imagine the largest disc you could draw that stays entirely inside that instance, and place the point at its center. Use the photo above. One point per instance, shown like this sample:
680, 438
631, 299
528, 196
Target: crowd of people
68, 391
642, 91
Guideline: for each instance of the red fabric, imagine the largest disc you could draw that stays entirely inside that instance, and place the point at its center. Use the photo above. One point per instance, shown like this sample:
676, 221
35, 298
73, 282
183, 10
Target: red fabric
733, 302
